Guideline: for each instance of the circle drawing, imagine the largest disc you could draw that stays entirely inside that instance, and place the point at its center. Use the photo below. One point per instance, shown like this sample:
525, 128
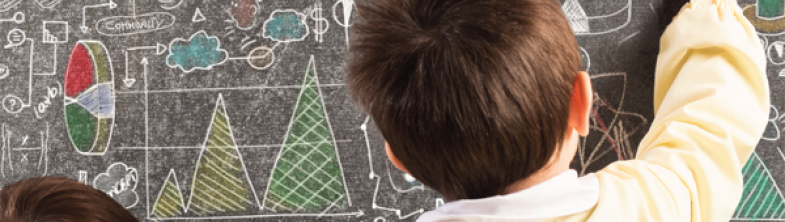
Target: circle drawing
261, 58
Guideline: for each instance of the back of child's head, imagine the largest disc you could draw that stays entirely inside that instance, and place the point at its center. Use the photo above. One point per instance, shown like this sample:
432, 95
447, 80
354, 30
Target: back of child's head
58, 199
471, 95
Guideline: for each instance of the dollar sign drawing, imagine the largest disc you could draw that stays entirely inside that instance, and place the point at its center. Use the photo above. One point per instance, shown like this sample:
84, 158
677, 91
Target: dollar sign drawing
321, 23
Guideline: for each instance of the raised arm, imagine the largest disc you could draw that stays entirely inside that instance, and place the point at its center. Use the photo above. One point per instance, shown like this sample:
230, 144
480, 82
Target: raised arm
711, 101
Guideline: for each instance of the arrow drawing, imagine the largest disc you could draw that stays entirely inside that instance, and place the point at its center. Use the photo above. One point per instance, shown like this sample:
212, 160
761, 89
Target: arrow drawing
159, 48
84, 27
129, 82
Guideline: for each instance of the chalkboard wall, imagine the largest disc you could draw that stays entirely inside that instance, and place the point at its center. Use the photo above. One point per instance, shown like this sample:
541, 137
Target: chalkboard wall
236, 110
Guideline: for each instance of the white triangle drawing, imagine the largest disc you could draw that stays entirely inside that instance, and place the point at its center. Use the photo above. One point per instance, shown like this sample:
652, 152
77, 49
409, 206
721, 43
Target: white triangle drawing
576, 16
198, 16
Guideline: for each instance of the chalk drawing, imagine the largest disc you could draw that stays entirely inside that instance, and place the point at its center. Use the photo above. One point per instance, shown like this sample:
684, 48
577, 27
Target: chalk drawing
286, 25
4, 150
766, 16
6, 5
84, 27
51, 93
220, 182
373, 175
18, 18
12, 103
198, 16
82, 176
55, 32
170, 4
159, 48
582, 24
48, 4
576, 16
261, 58
243, 13
772, 131
22, 149
776, 53
170, 200
346, 10
761, 198
15, 37
119, 182
321, 24
200, 52
613, 135
308, 175
133, 25
89, 98
585, 58
4, 72
397, 212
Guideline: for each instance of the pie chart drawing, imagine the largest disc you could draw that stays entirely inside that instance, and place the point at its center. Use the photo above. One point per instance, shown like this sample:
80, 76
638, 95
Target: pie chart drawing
89, 98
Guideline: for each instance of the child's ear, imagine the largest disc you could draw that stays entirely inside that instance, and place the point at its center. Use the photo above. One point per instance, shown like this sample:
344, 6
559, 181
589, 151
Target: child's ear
580, 103
397, 163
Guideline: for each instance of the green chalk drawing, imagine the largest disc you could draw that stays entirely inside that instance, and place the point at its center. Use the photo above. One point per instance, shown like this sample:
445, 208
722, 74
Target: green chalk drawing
307, 174
761, 198
771, 8
81, 126
220, 183
170, 199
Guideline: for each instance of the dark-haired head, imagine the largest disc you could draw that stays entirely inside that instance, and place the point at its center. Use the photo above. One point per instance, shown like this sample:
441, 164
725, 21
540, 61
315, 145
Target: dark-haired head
471, 95
58, 199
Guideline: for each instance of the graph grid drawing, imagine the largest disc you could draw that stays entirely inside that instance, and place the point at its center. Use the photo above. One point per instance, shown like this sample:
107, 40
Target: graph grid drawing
170, 200
761, 199
307, 175
220, 182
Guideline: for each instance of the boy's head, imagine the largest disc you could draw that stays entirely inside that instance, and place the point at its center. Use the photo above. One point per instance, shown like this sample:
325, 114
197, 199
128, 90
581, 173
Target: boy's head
58, 199
471, 96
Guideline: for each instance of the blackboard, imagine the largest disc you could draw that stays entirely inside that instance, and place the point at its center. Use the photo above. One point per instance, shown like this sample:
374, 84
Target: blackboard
235, 110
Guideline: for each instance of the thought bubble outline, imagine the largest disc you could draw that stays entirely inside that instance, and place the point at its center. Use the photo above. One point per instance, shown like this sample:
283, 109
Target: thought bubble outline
132, 189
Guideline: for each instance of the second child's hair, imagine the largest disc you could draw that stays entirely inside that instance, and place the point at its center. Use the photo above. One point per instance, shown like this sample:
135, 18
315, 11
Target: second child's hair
58, 199
471, 95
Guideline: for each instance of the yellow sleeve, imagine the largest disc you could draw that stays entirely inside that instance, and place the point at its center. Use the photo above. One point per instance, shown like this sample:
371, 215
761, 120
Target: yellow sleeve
711, 101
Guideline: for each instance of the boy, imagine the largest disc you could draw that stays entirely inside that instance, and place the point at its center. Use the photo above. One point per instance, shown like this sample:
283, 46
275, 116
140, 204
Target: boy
484, 102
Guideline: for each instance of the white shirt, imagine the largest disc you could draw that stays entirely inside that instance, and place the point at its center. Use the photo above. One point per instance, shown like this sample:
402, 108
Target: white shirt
561, 195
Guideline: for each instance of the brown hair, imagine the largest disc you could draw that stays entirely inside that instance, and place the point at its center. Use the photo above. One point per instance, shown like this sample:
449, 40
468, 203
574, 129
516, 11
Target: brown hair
58, 199
471, 95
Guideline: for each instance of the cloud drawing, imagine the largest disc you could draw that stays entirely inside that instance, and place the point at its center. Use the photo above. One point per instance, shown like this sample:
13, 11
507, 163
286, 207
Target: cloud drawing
285, 26
119, 182
200, 51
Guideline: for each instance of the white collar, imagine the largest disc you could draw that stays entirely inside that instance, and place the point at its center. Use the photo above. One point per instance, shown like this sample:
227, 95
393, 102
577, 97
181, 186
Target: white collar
561, 195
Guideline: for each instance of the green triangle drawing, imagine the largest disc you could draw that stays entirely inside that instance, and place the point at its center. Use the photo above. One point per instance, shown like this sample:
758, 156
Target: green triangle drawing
761, 198
307, 175
170, 199
220, 182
